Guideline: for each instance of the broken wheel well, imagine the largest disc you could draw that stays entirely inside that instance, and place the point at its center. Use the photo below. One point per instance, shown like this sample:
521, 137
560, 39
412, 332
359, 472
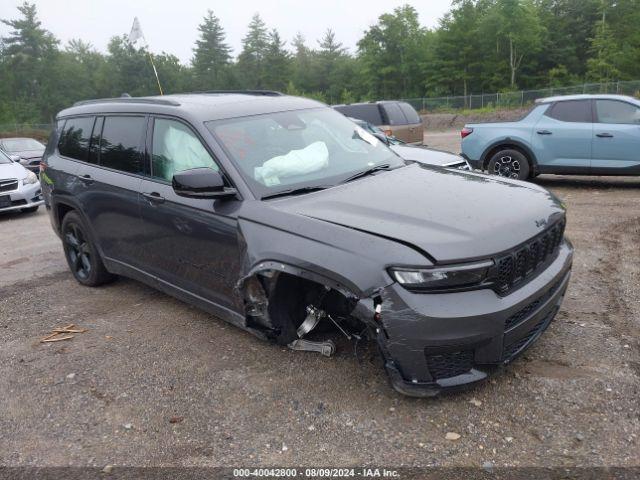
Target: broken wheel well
277, 302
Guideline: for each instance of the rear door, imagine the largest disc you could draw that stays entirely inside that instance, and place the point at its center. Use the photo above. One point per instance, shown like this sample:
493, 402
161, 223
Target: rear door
616, 137
561, 138
189, 243
110, 181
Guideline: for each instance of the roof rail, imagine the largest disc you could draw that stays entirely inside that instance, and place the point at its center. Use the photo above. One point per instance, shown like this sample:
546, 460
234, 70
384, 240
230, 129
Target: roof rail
153, 101
266, 93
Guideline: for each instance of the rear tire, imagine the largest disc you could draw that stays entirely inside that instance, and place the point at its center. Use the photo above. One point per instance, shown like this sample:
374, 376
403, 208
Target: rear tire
81, 253
509, 163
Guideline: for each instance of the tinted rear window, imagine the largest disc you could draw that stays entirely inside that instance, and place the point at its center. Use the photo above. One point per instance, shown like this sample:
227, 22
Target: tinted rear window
369, 112
120, 144
74, 140
571, 111
394, 114
409, 112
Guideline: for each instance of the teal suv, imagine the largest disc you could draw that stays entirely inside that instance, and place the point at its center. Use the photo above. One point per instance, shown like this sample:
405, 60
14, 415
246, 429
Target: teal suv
575, 134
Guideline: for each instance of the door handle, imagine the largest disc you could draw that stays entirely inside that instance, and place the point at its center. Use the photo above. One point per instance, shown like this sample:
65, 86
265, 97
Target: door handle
604, 135
154, 197
86, 179
544, 132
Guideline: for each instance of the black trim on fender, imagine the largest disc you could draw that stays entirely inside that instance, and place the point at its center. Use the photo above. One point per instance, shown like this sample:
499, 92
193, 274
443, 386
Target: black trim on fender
508, 141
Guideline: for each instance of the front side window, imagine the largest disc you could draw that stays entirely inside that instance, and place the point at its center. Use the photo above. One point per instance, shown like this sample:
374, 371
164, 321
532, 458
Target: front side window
571, 111
75, 137
120, 144
176, 148
614, 111
282, 151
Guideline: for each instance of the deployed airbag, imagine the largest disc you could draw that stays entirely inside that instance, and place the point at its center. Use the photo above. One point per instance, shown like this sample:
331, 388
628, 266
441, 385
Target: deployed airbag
297, 162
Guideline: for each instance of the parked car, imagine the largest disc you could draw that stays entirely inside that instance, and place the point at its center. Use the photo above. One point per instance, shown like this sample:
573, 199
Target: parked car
277, 213
19, 187
27, 150
398, 119
574, 134
414, 153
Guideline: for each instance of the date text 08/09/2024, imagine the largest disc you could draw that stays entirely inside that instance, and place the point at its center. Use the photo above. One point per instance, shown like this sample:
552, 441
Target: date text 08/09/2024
315, 472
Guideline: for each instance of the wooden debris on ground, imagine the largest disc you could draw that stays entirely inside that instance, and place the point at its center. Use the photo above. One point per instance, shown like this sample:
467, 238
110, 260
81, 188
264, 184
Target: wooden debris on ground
56, 333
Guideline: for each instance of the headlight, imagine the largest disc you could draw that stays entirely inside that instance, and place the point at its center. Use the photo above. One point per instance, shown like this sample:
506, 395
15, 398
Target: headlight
442, 278
30, 179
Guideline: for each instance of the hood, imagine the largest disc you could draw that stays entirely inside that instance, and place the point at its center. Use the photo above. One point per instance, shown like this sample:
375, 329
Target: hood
28, 154
12, 170
448, 215
426, 155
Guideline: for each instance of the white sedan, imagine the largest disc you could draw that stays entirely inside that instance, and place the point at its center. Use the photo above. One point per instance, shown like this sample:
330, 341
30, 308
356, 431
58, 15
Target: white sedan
415, 153
19, 187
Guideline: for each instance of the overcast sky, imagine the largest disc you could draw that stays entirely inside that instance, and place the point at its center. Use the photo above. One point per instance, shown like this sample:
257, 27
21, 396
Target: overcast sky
171, 26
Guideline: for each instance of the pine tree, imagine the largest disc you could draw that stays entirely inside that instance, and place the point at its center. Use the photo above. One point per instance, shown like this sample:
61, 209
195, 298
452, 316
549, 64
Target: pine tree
277, 63
212, 55
29, 54
251, 60
601, 67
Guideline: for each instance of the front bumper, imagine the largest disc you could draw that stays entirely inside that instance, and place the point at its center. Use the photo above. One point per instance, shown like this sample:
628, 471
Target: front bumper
26, 196
436, 342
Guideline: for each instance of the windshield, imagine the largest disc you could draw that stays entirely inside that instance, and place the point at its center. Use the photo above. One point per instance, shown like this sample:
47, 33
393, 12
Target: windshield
4, 158
284, 151
21, 144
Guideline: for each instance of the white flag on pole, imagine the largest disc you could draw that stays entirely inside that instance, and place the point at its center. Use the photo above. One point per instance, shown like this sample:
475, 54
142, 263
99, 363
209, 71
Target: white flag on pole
136, 32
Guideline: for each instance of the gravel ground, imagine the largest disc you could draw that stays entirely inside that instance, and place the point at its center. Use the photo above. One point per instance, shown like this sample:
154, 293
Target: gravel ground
155, 382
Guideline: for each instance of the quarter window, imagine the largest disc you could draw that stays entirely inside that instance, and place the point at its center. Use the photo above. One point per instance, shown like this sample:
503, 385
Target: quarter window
394, 114
120, 144
176, 148
409, 112
74, 140
571, 111
614, 111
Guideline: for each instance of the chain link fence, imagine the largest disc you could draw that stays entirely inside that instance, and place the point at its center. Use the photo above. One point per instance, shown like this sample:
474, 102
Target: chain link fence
519, 99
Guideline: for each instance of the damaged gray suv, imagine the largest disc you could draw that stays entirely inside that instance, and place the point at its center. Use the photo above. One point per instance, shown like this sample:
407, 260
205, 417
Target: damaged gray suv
277, 214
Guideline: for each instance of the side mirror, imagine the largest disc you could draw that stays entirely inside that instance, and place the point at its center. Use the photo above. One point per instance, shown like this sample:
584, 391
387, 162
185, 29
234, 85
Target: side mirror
382, 137
15, 158
201, 183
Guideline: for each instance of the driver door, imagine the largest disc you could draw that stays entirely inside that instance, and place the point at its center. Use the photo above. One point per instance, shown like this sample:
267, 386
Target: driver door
189, 244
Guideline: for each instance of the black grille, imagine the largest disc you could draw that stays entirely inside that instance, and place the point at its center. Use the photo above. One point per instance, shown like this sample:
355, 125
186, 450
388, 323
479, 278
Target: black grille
509, 351
447, 365
8, 185
520, 265
524, 313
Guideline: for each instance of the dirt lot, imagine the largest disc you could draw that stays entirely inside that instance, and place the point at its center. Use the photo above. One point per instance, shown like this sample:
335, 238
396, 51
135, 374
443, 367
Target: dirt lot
157, 382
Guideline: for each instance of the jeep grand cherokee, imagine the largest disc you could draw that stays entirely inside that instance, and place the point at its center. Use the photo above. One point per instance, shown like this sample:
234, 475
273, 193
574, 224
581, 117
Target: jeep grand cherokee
277, 213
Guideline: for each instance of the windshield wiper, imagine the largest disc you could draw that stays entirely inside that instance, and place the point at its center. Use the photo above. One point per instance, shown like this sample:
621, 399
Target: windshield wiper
369, 171
295, 191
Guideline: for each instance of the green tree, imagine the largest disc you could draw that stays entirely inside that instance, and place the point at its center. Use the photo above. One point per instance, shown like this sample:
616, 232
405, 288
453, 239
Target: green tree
277, 63
29, 54
456, 63
302, 64
212, 55
601, 67
393, 53
251, 61
516, 28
